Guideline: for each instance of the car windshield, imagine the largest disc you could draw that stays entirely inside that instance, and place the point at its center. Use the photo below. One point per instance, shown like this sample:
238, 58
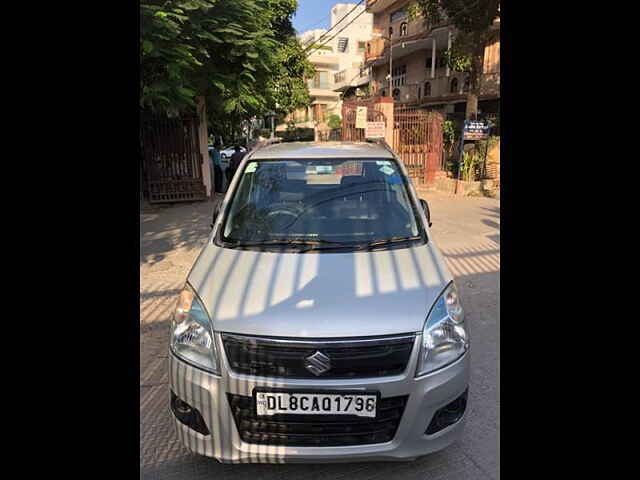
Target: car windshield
328, 201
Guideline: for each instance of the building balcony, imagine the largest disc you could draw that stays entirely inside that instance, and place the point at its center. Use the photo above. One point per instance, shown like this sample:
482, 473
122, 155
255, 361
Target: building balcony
375, 49
377, 6
350, 77
443, 89
418, 39
323, 92
323, 59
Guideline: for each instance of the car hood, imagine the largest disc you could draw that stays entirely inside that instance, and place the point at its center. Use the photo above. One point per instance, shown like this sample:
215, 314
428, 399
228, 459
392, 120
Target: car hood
319, 295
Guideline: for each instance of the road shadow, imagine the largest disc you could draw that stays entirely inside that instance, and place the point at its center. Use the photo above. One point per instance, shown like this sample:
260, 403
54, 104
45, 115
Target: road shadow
179, 226
477, 274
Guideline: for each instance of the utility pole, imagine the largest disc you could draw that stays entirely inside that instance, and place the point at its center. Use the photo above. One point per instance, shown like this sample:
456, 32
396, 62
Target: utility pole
390, 67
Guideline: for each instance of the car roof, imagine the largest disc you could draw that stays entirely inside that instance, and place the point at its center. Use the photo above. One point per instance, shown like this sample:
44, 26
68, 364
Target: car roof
322, 150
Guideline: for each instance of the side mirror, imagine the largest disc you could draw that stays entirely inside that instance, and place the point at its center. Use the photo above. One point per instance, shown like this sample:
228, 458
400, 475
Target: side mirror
216, 212
425, 207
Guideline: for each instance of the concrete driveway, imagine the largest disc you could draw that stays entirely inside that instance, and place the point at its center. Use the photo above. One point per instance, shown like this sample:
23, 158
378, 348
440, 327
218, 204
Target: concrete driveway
467, 230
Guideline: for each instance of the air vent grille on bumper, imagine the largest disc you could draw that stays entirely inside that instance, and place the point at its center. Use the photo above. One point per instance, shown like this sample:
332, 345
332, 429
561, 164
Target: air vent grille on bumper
349, 358
316, 430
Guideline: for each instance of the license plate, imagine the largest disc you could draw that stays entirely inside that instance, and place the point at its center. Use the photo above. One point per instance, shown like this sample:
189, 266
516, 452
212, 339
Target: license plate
302, 403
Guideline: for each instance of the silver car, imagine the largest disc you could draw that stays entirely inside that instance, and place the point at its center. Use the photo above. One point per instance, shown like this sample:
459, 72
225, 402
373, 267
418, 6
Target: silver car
320, 322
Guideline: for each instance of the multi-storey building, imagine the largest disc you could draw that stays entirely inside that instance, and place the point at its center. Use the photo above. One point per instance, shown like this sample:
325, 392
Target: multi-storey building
338, 63
407, 61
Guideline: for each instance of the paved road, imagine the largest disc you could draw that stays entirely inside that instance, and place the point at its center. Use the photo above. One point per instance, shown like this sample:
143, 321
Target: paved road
467, 230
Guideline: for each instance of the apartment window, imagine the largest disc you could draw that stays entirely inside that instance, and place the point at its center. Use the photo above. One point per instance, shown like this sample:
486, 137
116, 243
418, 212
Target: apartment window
454, 85
320, 80
399, 75
427, 89
361, 47
390, 31
403, 29
396, 94
397, 15
323, 79
319, 113
343, 44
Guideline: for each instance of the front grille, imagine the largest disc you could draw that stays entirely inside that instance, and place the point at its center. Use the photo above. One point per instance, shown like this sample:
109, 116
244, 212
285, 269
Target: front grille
348, 358
316, 430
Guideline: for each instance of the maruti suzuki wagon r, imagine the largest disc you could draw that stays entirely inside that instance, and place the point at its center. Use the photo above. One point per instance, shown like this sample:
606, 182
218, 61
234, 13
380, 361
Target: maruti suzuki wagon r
320, 322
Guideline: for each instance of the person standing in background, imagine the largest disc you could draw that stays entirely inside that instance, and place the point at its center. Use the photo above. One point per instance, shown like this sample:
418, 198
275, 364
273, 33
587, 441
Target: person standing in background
217, 170
236, 158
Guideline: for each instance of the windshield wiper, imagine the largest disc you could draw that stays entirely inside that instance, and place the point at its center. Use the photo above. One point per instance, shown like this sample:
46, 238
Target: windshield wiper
391, 240
287, 241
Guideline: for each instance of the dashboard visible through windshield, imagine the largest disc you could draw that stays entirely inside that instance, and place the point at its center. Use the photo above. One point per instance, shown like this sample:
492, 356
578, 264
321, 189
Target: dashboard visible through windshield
321, 204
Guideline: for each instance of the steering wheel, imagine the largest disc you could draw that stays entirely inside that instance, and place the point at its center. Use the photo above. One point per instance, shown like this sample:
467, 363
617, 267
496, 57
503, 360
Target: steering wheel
281, 213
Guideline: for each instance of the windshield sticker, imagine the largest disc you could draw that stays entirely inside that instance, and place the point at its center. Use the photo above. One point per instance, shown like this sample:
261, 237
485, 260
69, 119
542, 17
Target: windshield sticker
387, 170
395, 178
383, 162
324, 169
251, 167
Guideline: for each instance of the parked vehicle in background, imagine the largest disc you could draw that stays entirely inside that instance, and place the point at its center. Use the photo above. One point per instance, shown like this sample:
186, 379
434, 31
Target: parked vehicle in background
320, 322
226, 152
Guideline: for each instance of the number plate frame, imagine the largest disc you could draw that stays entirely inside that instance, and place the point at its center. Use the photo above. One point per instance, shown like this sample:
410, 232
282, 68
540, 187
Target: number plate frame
317, 391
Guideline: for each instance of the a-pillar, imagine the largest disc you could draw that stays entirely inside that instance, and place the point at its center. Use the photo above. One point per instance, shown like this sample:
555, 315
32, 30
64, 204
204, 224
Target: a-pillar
203, 136
385, 105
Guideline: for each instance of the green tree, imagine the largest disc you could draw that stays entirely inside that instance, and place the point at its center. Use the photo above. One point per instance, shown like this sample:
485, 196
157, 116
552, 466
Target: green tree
334, 121
241, 55
473, 20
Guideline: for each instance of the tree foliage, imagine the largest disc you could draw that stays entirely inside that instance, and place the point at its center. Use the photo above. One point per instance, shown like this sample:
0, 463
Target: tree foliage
241, 55
473, 20
334, 121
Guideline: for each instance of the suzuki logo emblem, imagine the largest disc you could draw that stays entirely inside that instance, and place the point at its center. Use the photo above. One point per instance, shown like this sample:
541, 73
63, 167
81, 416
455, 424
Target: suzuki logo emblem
317, 363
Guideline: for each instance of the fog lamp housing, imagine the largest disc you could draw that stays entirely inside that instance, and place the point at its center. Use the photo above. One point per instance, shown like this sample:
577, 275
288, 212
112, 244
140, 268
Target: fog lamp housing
188, 415
449, 414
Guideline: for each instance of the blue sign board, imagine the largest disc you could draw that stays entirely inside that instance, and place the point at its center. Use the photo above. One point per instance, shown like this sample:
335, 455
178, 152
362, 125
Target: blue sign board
474, 130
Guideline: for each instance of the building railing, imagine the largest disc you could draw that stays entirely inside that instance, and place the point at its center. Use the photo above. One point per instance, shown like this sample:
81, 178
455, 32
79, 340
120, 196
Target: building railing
350, 77
441, 88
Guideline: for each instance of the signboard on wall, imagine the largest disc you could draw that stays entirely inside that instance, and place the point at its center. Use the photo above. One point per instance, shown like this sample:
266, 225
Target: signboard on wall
374, 130
475, 130
361, 117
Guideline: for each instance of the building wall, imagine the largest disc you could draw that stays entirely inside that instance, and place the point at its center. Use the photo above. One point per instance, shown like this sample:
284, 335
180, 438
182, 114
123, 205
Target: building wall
417, 71
492, 58
358, 31
382, 21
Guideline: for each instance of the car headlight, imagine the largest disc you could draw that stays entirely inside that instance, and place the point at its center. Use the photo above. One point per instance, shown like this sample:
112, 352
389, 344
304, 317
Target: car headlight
192, 334
444, 338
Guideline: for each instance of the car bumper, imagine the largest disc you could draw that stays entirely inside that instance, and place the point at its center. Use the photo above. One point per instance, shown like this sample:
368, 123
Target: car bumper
208, 393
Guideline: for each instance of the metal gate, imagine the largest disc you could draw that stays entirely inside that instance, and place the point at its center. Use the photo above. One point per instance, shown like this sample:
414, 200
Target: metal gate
417, 139
172, 161
349, 131
417, 136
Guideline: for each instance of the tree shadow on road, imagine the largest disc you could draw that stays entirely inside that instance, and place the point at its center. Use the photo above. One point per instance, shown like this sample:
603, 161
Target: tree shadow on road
181, 226
475, 455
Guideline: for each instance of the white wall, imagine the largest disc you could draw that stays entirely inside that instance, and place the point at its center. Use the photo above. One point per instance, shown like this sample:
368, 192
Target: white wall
203, 137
